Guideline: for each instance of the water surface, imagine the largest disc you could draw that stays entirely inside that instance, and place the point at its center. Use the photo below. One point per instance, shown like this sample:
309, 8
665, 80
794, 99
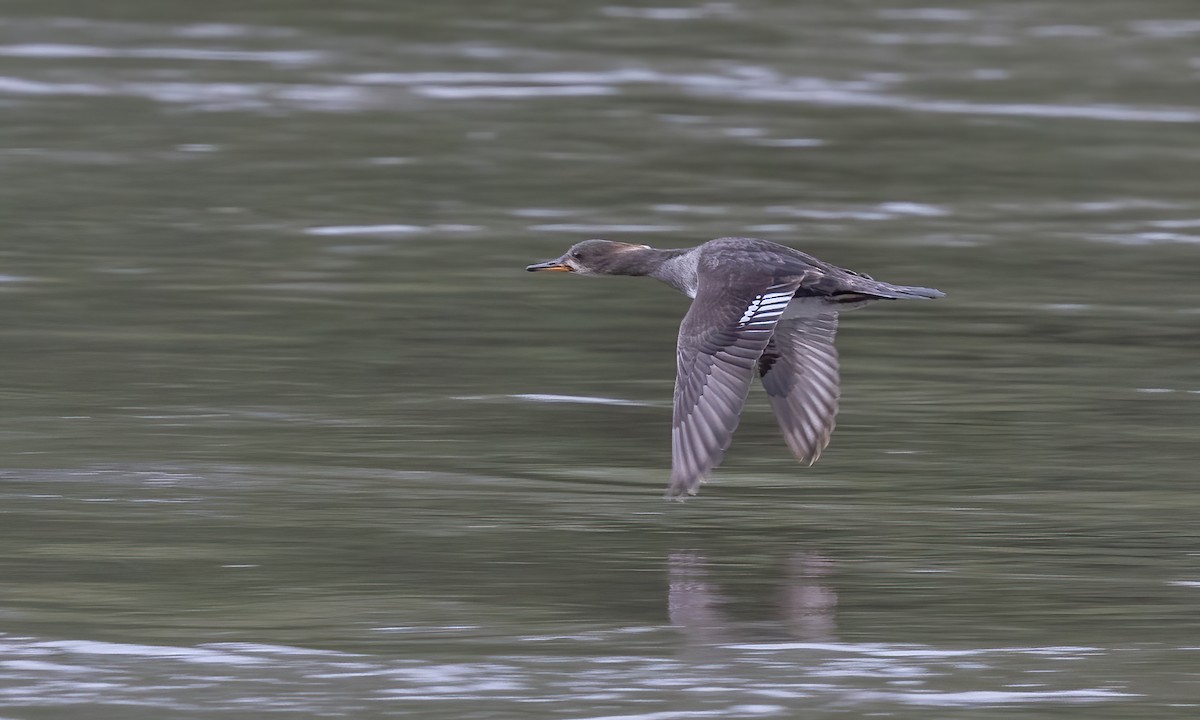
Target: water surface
287, 430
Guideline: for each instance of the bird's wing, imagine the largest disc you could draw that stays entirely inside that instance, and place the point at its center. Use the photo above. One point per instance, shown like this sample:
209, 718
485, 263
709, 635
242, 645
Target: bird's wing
720, 341
799, 371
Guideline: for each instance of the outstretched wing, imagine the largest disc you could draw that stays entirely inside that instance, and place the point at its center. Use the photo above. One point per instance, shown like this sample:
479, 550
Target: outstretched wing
720, 341
799, 371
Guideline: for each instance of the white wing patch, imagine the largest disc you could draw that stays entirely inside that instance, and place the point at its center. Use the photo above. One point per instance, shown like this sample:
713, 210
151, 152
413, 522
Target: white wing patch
766, 308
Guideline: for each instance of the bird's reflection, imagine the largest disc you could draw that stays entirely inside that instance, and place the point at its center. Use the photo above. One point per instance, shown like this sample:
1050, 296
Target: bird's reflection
806, 605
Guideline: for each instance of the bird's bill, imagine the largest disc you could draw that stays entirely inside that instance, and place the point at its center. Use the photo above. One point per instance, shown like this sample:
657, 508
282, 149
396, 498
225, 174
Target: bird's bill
550, 266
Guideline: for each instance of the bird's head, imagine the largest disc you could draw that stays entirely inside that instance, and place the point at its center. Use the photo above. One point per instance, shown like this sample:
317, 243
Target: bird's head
592, 257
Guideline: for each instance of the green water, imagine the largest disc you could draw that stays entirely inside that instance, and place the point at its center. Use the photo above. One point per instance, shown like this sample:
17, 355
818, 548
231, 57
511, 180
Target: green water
276, 433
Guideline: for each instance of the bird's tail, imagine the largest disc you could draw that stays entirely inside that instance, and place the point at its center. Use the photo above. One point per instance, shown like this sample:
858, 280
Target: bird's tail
875, 290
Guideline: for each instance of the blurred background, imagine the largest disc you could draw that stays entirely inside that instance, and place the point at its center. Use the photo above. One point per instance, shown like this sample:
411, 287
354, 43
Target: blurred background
287, 430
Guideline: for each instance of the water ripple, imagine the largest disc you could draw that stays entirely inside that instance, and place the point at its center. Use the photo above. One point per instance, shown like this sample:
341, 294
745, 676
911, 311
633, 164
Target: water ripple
602, 228
40, 673
761, 84
56, 51
758, 84
468, 92
699, 12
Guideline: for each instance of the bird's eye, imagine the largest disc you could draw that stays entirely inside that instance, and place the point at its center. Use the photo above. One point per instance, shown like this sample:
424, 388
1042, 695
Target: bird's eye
575, 255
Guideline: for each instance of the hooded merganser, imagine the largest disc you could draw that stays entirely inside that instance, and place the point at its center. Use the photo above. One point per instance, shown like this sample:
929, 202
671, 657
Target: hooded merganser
757, 307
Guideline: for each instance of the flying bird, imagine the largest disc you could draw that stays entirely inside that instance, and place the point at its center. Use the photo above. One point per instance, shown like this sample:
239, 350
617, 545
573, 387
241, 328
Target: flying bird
757, 308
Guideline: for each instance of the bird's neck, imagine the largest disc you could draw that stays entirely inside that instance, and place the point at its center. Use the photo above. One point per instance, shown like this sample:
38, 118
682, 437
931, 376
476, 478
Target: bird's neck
641, 260
669, 265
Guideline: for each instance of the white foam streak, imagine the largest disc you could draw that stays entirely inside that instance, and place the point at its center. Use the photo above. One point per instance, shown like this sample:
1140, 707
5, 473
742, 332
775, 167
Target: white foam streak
581, 399
912, 208
845, 98
912, 651
883, 211
737, 711
1167, 28
789, 142
1177, 224
614, 77
57, 51
365, 230
210, 96
470, 92
928, 14
699, 12
1148, 238
184, 654
981, 698
585, 228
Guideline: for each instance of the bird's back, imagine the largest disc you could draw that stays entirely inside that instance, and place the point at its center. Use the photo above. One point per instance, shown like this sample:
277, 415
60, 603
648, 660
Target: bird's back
737, 256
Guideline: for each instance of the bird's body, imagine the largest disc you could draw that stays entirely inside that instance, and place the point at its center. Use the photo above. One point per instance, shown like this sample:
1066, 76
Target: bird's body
758, 308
